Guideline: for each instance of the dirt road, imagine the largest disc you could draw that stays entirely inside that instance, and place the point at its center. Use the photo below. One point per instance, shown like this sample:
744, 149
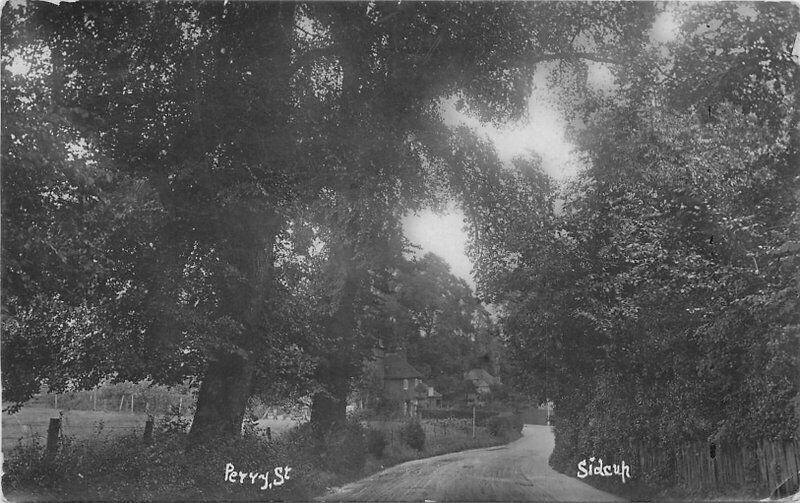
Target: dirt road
514, 472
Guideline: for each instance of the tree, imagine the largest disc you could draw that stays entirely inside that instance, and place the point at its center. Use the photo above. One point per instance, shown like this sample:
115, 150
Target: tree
237, 118
146, 105
391, 87
72, 225
664, 290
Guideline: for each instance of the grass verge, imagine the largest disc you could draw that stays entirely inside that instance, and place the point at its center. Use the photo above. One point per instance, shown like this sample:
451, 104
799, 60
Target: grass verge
123, 468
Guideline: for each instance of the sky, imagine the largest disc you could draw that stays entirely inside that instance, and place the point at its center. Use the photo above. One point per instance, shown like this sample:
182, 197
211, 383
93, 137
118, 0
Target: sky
542, 132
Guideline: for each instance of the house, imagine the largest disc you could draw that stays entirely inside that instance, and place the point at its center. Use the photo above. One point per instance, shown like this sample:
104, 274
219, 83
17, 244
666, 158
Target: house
430, 399
400, 381
482, 380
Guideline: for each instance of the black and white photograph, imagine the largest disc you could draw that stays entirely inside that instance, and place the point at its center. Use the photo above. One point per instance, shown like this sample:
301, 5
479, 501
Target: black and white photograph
400, 251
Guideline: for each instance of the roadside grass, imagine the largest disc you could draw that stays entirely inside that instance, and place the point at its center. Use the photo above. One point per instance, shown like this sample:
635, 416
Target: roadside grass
123, 468
439, 439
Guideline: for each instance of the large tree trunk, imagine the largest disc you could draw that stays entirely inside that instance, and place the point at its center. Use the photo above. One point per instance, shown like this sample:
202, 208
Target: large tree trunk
223, 398
228, 381
257, 37
340, 364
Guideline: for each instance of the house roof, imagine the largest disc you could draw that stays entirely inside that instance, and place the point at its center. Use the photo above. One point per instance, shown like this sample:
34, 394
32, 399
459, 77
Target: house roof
395, 366
480, 375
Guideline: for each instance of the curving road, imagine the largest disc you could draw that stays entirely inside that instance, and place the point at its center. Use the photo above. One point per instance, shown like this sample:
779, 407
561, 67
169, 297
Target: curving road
514, 472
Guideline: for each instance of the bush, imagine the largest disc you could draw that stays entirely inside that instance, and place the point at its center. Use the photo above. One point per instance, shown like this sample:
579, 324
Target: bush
497, 425
505, 425
413, 435
174, 422
126, 469
388, 407
344, 448
376, 442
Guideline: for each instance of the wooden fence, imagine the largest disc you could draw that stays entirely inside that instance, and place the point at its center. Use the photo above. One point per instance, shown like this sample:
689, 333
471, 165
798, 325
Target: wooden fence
760, 466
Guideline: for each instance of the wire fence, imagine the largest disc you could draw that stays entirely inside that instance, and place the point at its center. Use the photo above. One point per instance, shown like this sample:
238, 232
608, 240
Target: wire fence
31, 424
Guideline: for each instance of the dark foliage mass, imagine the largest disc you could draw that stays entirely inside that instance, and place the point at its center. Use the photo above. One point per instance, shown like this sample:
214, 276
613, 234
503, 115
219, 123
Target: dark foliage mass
413, 435
504, 425
376, 442
655, 299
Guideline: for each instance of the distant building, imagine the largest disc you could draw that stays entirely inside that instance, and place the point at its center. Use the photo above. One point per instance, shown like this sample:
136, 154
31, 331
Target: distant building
482, 380
400, 381
431, 399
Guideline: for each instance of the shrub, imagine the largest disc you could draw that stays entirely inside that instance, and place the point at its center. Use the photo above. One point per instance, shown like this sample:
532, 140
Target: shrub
126, 469
413, 435
497, 425
174, 422
344, 448
505, 425
388, 407
376, 442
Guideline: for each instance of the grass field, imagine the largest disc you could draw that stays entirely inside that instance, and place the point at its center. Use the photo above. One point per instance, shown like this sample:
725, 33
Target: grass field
30, 425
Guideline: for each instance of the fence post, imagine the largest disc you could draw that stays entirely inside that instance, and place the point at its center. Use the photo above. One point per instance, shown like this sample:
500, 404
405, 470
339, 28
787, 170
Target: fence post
148, 430
121, 402
473, 421
53, 431
269, 433
762, 465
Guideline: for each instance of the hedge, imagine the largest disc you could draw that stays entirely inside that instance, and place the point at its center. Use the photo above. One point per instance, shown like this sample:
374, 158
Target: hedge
481, 416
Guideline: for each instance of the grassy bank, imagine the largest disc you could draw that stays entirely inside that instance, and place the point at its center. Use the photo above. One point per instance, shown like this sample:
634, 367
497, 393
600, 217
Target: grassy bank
123, 468
441, 437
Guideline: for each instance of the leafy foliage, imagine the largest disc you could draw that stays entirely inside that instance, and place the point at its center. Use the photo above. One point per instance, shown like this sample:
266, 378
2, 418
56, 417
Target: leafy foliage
654, 299
503, 425
376, 442
413, 435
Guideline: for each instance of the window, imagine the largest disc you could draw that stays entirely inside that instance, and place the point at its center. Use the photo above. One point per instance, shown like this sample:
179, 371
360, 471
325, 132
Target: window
405, 383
